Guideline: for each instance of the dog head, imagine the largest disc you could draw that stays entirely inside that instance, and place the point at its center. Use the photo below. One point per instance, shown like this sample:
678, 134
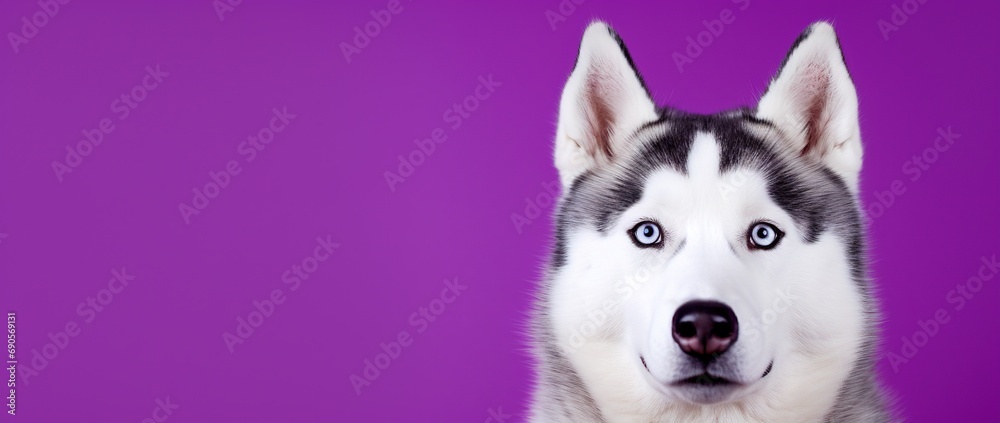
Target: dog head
706, 259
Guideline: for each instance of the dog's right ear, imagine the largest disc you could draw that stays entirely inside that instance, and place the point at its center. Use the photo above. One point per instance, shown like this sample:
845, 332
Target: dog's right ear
603, 103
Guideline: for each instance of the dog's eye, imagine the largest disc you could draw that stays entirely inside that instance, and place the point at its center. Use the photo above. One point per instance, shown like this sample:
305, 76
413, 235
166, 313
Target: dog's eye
647, 234
764, 236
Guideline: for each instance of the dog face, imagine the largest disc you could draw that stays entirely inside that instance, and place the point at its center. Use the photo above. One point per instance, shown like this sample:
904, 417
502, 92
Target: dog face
707, 259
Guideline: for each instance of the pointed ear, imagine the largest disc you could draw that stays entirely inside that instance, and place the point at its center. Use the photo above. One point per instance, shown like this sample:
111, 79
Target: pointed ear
603, 103
813, 103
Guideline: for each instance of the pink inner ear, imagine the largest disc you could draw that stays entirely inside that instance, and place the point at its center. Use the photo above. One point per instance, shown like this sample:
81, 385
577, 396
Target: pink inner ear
600, 119
813, 86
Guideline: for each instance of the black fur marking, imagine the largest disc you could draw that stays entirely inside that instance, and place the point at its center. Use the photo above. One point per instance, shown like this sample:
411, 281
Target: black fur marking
798, 41
816, 198
628, 57
749, 116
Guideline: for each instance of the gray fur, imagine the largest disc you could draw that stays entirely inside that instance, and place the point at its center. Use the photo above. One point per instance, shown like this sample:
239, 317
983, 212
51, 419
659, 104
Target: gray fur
815, 196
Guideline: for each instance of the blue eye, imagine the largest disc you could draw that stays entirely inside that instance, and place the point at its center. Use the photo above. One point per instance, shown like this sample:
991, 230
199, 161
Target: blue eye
763, 236
647, 234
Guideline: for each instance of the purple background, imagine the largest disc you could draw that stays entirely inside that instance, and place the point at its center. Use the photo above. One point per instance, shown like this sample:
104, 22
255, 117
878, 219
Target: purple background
324, 175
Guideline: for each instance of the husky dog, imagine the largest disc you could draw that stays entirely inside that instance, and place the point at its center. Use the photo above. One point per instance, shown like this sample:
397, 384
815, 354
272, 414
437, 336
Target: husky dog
708, 267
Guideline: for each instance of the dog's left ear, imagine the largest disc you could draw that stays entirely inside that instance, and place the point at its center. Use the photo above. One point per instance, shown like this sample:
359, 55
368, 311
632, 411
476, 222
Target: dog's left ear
813, 103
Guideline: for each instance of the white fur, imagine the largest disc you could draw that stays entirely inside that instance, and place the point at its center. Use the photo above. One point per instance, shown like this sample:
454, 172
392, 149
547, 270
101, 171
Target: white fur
645, 286
797, 304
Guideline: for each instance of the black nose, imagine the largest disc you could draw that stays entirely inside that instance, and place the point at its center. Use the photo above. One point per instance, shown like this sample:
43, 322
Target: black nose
705, 329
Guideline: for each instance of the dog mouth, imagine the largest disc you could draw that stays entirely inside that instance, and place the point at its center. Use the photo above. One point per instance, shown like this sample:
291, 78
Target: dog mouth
767, 371
706, 379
